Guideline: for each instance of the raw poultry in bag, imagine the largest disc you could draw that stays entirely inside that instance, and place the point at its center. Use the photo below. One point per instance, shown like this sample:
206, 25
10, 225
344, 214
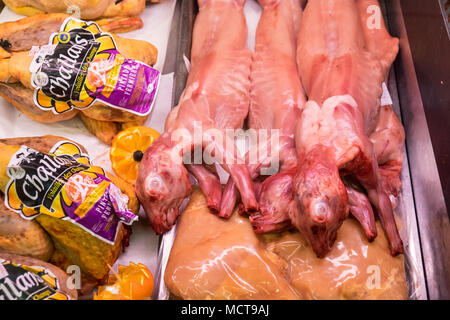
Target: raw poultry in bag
25, 278
61, 209
122, 16
214, 258
53, 67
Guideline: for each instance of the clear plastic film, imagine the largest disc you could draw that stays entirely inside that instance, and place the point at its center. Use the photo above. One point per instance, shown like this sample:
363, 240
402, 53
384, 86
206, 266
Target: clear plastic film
206, 257
24, 278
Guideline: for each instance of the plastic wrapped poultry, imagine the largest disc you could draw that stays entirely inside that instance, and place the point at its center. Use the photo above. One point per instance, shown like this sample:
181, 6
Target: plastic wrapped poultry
91, 9
25, 237
342, 66
122, 16
17, 84
213, 258
91, 243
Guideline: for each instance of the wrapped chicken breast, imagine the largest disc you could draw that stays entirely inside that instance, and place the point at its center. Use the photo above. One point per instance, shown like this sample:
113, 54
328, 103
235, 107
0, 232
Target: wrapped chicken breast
213, 258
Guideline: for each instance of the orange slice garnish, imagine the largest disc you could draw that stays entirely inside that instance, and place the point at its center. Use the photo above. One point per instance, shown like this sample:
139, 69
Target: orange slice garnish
133, 282
127, 150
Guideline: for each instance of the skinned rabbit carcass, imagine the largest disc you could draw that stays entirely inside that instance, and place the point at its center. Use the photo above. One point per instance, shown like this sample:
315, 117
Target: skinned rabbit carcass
342, 65
275, 193
276, 98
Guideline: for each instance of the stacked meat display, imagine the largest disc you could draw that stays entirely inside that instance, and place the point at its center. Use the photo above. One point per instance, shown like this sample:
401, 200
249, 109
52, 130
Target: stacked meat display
315, 79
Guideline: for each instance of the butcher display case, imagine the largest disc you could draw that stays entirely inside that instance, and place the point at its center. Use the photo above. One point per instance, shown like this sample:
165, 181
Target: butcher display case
417, 87
418, 25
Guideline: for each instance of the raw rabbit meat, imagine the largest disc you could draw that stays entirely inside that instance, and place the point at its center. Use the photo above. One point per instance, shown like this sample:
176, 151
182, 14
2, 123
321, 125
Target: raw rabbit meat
216, 98
276, 191
16, 40
342, 74
277, 99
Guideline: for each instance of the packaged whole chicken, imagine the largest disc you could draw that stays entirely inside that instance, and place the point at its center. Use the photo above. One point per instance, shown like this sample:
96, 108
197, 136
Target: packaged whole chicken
88, 9
24, 278
120, 15
213, 258
61, 209
318, 79
54, 67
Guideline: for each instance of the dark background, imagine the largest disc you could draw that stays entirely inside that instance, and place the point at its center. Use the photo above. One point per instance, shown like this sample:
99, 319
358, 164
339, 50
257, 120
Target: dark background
430, 48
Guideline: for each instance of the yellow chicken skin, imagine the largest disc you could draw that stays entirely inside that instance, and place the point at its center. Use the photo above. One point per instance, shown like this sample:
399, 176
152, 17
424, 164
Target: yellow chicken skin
18, 37
23, 237
111, 15
74, 245
31, 31
16, 64
107, 130
355, 269
22, 98
88, 9
213, 258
